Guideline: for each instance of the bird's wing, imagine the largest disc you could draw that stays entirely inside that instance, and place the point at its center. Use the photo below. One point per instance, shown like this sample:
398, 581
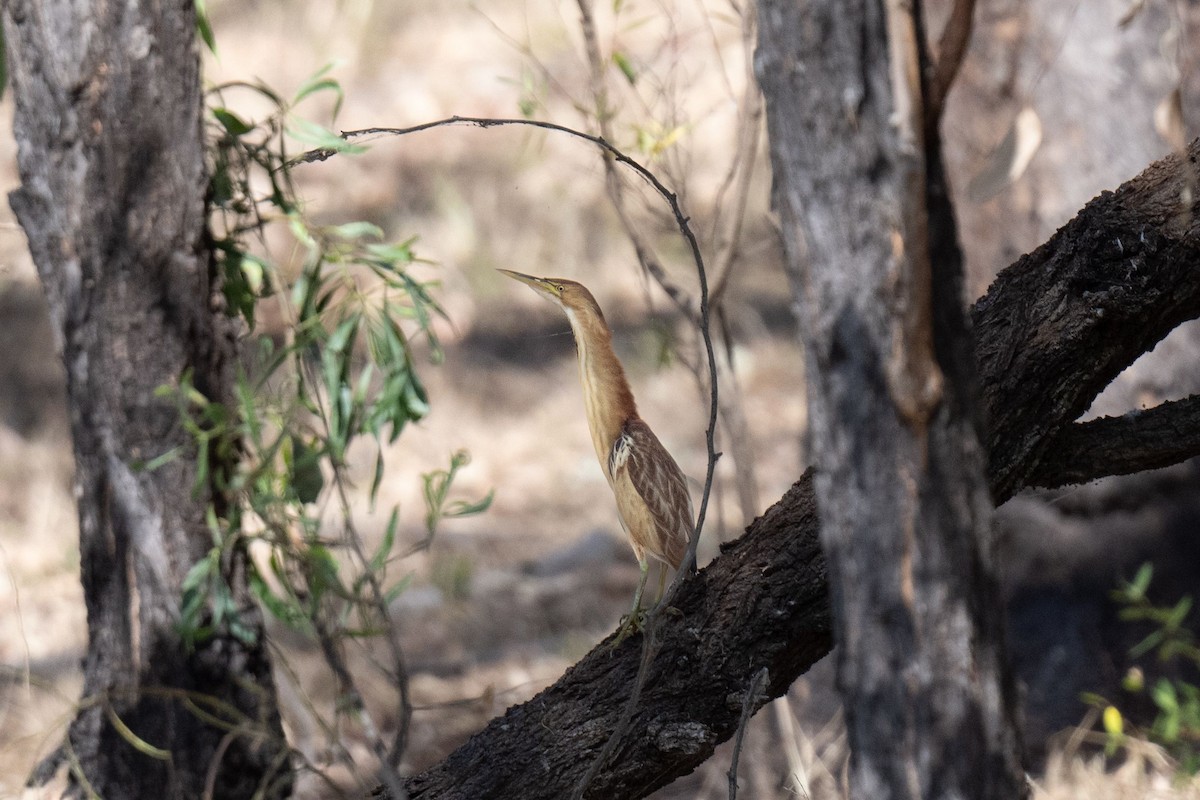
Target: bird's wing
638, 457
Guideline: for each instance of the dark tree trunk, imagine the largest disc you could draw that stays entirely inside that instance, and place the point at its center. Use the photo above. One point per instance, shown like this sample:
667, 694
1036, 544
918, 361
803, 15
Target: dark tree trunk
871, 245
111, 158
1050, 326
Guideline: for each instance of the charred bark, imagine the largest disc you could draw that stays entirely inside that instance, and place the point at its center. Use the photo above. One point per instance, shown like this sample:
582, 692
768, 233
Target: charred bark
113, 180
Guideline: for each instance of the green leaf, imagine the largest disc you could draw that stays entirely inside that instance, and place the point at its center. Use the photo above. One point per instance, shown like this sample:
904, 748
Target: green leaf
256, 272
323, 573
204, 27
158, 461
299, 228
461, 508
357, 230
306, 477
392, 254
284, 609
1141, 582
395, 591
362, 387
1164, 696
232, 123
343, 333
1149, 643
380, 557
1179, 613
320, 83
626, 66
314, 135
196, 595
377, 476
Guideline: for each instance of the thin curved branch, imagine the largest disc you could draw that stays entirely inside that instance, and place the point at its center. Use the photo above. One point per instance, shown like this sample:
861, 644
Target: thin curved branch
1053, 329
1140, 440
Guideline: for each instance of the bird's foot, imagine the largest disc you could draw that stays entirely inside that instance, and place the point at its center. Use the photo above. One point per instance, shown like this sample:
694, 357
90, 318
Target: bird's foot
630, 624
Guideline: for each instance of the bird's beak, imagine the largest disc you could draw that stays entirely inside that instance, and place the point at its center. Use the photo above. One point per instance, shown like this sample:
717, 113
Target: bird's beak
539, 284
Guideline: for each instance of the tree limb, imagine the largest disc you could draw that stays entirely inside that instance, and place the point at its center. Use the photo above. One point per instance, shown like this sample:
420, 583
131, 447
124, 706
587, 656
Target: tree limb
697, 685
1053, 330
952, 46
1057, 326
1137, 441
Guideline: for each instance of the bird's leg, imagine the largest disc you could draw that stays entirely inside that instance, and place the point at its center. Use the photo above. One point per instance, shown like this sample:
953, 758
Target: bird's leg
662, 583
633, 622
662, 589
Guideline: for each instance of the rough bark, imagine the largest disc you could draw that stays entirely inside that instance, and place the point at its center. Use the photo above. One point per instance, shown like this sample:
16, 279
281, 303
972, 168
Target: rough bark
111, 159
1036, 355
1135, 442
870, 239
1129, 260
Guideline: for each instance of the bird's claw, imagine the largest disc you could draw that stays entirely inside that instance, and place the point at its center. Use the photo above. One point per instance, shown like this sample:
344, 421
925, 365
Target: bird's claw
630, 624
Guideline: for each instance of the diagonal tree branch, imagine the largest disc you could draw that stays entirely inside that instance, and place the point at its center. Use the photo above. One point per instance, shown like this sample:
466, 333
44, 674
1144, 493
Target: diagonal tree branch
695, 692
1053, 329
1140, 440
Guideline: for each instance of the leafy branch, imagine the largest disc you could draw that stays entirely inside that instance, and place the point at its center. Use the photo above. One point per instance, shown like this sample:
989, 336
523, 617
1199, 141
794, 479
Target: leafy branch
342, 371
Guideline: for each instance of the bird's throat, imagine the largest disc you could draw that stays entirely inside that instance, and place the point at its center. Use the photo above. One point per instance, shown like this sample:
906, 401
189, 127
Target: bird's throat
606, 394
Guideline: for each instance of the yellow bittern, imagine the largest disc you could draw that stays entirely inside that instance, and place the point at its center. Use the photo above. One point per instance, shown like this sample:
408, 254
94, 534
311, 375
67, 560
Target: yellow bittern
652, 496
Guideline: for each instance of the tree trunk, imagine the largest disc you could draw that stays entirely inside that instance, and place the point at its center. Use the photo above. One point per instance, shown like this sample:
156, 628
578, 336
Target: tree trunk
870, 242
111, 158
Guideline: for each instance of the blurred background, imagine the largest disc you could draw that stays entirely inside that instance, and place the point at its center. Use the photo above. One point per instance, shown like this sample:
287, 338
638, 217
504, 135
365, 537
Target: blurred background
1056, 102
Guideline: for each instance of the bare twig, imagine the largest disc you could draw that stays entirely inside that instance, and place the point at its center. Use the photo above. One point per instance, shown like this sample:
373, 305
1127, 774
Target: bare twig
741, 170
952, 46
525, 49
389, 757
736, 425
750, 704
612, 180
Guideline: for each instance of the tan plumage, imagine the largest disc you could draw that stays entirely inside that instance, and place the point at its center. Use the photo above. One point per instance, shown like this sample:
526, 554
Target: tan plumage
652, 497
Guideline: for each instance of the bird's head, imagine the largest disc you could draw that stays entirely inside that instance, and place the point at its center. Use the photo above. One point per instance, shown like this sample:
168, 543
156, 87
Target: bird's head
570, 296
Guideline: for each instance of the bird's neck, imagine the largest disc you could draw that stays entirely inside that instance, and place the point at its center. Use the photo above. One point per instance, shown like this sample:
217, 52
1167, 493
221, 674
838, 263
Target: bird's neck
606, 394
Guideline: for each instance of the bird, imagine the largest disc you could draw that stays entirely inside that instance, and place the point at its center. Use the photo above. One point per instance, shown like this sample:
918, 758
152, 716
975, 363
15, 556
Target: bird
653, 502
